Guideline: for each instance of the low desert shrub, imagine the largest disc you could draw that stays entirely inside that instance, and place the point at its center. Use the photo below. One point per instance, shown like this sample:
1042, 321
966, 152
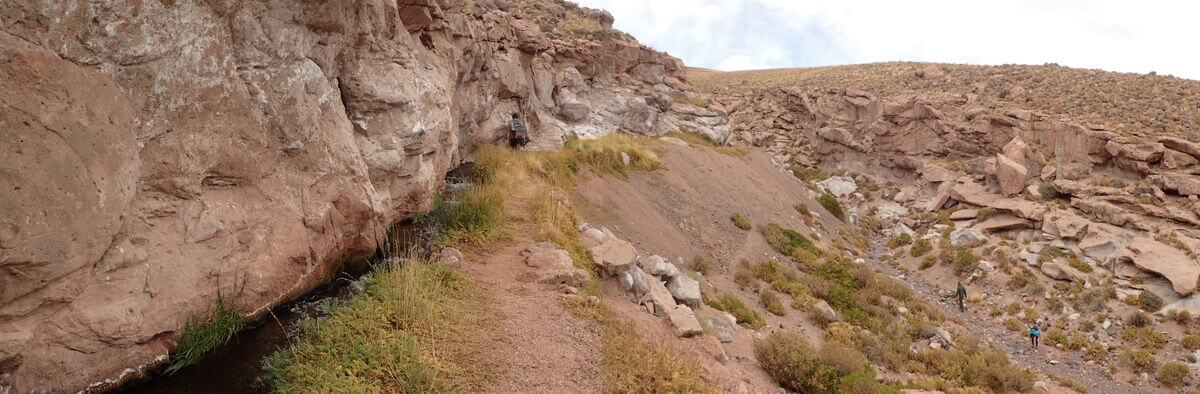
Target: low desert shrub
1191, 341
740, 221
787, 241
832, 205
920, 247
899, 240
1146, 301
745, 315
1137, 360
771, 302
1174, 374
791, 361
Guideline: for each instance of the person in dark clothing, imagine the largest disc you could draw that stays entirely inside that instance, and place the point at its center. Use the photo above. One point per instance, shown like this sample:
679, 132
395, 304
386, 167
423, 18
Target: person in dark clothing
518, 135
1034, 335
962, 297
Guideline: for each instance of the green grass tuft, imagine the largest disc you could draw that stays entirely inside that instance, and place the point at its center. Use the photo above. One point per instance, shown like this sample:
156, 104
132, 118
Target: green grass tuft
787, 241
201, 335
740, 221
745, 315
404, 334
832, 205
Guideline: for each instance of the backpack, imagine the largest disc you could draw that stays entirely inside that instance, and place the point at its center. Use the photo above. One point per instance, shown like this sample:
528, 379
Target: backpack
518, 128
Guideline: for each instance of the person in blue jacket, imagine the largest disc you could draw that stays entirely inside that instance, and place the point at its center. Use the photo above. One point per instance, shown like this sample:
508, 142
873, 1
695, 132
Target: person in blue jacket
1034, 334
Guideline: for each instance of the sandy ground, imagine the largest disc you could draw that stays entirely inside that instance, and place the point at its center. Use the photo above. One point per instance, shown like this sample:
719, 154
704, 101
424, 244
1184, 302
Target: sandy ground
544, 347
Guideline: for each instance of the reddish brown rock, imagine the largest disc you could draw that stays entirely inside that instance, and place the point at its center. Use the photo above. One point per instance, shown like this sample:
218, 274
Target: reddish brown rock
157, 153
1163, 260
1011, 175
1182, 145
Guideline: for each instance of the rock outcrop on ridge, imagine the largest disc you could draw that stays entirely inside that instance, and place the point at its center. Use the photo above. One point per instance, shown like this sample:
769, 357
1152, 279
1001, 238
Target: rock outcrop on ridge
157, 154
1127, 202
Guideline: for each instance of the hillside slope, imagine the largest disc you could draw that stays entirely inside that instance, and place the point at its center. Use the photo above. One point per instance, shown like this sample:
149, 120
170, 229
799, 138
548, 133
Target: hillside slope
1129, 103
1069, 199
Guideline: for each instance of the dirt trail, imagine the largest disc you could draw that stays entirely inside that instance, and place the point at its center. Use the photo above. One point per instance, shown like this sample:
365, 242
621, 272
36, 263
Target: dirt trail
1070, 364
543, 346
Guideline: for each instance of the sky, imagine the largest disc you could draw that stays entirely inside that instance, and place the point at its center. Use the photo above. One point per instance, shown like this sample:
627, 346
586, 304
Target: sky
1127, 35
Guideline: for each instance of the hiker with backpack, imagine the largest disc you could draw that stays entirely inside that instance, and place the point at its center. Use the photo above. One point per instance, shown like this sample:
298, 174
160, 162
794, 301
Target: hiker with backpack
961, 293
518, 135
1034, 335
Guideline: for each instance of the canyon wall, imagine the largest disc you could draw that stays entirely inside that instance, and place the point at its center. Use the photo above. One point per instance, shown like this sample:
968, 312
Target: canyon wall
155, 154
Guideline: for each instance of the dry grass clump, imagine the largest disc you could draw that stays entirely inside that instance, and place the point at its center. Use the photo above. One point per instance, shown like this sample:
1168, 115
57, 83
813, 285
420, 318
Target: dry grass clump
789, 359
605, 154
745, 315
632, 364
1174, 374
899, 240
740, 221
920, 247
771, 302
1137, 360
697, 140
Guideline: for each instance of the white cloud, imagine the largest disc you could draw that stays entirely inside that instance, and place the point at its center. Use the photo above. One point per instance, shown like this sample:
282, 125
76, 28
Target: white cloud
1117, 35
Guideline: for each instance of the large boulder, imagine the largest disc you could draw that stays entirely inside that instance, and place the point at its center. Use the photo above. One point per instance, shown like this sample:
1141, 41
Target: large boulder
1002, 222
657, 299
614, 256
967, 237
685, 290
1061, 271
1166, 261
839, 186
1011, 175
1181, 145
553, 266
684, 321
658, 266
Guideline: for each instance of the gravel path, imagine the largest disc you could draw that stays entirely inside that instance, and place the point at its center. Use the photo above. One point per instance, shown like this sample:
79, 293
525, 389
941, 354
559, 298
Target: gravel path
1069, 364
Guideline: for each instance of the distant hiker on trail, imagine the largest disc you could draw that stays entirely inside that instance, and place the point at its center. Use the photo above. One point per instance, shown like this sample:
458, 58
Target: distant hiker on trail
962, 297
518, 135
1034, 335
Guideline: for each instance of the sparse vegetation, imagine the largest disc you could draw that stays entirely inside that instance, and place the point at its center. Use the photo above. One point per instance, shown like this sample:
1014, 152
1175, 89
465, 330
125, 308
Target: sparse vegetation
832, 205
1174, 374
605, 154
1129, 103
1146, 300
771, 302
204, 333
745, 315
787, 241
791, 361
899, 240
741, 221
965, 261
920, 247
632, 364
1137, 360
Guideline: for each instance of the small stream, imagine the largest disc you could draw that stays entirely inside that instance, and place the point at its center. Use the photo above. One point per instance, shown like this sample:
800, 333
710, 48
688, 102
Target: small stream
237, 366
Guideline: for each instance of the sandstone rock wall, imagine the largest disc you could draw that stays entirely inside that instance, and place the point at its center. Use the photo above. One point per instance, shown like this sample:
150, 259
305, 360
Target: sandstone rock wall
155, 154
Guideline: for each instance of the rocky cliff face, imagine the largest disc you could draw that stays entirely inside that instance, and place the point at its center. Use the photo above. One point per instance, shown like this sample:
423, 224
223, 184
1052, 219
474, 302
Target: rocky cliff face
156, 154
